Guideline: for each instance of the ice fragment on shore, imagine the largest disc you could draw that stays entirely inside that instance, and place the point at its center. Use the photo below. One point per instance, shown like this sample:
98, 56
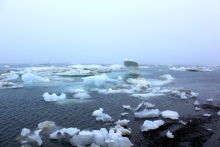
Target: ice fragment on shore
197, 109
147, 113
196, 103
53, 97
170, 114
207, 114
169, 134
151, 125
82, 95
210, 100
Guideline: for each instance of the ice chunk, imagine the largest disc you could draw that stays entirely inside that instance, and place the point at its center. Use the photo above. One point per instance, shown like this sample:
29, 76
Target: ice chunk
101, 116
218, 112
207, 114
82, 95
166, 79
6, 84
178, 69
197, 109
46, 124
147, 95
25, 131
182, 122
31, 78
61, 133
36, 137
78, 90
210, 100
148, 105
53, 97
124, 114
82, 140
196, 103
139, 106
132, 65
122, 130
127, 107
147, 113
194, 95
170, 114
78, 72
151, 125
139, 82
97, 81
117, 67
183, 95
169, 134
123, 122
97, 112
11, 77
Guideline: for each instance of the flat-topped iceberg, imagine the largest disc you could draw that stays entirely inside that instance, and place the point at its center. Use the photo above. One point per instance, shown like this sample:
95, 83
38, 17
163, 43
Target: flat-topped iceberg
151, 125
97, 81
32, 78
170, 114
53, 97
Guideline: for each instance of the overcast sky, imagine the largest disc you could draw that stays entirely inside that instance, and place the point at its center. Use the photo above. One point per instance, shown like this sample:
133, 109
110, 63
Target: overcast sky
101, 31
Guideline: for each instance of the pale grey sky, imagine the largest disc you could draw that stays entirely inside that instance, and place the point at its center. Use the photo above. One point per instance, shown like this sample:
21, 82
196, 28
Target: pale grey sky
98, 31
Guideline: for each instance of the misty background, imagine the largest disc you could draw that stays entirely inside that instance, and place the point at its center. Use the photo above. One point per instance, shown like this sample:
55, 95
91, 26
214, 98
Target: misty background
98, 31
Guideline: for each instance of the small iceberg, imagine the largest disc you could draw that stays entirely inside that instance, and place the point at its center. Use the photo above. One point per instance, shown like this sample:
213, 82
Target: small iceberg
170, 114
169, 134
210, 100
82, 96
132, 65
151, 125
123, 122
53, 97
197, 109
139, 82
196, 103
101, 116
32, 78
147, 113
207, 115
59, 134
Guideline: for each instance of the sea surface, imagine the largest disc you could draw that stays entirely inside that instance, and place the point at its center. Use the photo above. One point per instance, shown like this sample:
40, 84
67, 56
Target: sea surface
25, 107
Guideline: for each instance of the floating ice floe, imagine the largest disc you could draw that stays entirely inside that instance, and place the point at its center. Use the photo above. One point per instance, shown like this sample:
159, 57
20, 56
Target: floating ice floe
182, 122
6, 66
111, 91
196, 103
25, 131
124, 114
97, 81
28, 136
77, 72
6, 85
127, 107
117, 67
197, 109
207, 114
46, 124
210, 100
198, 68
82, 96
123, 122
53, 97
148, 105
166, 79
170, 114
169, 134
32, 78
147, 95
151, 125
147, 113
218, 113
59, 134
139, 82
78, 90
101, 116
183, 95
178, 69
10, 76
121, 129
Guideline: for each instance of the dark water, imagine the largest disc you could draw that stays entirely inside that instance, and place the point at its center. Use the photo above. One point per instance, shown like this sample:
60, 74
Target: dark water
25, 107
